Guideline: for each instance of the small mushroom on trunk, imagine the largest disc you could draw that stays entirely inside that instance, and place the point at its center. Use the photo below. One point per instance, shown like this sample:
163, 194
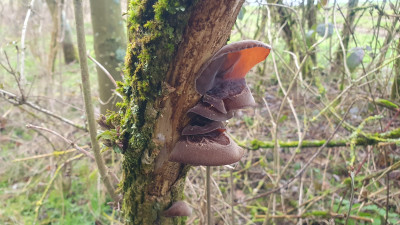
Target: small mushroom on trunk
179, 208
213, 149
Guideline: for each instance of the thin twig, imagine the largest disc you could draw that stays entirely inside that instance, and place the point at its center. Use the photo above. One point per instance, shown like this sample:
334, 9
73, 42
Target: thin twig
104, 70
305, 166
15, 100
352, 174
110, 77
321, 213
63, 138
208, 188
232, 197
22, 78
39, 203
87, 98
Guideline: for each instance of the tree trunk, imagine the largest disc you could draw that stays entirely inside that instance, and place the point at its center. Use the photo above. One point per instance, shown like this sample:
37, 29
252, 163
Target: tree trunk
346, 33
109, 46
54, 11
395, 95
311, 14
60, 23
67, 42
168, 45
286, 18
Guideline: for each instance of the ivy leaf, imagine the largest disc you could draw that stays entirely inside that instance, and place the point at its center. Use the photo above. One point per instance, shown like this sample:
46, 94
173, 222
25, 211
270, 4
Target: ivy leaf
116, 149
107, 135
355, 58
321, 29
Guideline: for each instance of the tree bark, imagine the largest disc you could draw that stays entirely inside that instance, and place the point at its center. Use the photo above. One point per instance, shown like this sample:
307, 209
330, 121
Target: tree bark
168, 45
395, 95
54, 11
67, 42
109, 46
60, 23
346, 33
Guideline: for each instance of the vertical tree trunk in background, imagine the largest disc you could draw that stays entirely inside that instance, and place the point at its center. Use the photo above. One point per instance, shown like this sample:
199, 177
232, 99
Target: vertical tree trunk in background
311, 18
67, 42
168, 43
285, 18
395, 95
311, 14
61, 28
55, 16
346, 33
109, 46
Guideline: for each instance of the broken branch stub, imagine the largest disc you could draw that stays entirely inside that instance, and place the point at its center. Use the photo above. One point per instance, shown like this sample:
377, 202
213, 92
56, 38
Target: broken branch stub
223, 88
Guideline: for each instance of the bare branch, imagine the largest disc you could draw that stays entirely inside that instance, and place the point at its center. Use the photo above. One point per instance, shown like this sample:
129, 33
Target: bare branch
63, 138
15, 100
22, 78
87, 98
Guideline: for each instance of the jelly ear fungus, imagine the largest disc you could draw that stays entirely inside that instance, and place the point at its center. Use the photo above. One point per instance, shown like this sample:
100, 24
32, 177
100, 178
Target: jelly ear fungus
221, 83
179, 208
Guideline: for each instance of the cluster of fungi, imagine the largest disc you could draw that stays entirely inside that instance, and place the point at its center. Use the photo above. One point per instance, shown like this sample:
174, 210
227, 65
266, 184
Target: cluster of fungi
223, 88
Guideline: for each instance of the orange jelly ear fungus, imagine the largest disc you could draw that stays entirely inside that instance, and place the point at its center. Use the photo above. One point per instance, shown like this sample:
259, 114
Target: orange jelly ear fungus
231, 62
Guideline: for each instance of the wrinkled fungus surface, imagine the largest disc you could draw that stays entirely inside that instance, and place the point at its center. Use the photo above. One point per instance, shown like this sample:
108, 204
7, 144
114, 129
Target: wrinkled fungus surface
223, 88
206, 150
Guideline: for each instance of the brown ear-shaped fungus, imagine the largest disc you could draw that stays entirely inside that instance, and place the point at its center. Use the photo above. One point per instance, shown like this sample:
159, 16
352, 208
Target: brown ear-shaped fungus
215, 149
216, 103
221, 79
223, 87
179, 208
242, 100
207, 111
202, 125
231, 62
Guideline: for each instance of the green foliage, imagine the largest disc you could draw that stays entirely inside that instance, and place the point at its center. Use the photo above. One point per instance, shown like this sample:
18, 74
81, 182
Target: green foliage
59, 207
370, 211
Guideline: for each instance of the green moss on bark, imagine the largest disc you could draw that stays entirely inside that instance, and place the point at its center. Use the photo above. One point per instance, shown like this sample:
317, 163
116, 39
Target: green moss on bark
155, 29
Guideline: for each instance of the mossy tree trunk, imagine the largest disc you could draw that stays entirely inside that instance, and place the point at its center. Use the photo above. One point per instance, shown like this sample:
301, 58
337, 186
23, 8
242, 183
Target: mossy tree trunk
395, 95
109, 47
168, 43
